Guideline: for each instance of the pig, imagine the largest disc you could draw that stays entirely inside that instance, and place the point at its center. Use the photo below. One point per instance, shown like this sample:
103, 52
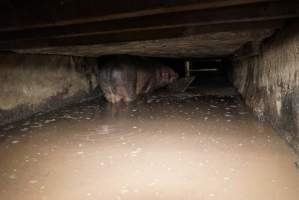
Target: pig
124, 78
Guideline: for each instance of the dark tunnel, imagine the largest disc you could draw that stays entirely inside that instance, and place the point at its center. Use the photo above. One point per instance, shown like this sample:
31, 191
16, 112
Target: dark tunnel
131, 99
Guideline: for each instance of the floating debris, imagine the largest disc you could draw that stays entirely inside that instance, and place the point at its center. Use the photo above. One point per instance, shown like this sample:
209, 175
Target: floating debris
12, 176
243, 113
24, 129
33, 181
49, 121
135, 152
26, 123
8, 128
36, 125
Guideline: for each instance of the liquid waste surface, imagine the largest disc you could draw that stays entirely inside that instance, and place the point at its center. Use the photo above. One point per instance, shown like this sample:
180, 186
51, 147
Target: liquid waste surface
201, 148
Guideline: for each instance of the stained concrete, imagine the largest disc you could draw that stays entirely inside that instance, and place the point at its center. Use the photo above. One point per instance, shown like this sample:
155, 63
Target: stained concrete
269, 83
200, 46
33, 83
165, 147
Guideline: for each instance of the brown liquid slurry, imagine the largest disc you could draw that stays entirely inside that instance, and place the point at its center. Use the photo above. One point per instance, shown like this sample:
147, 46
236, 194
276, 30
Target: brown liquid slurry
166, 148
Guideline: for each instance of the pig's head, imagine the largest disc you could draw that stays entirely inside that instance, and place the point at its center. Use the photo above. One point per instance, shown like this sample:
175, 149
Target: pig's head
166, 75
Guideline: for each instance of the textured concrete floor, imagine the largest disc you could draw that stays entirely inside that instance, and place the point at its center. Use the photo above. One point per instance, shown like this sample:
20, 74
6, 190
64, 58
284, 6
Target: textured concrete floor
179, 147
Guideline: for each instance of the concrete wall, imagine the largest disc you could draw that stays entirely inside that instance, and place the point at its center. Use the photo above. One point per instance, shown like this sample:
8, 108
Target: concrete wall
34, 83
269, 83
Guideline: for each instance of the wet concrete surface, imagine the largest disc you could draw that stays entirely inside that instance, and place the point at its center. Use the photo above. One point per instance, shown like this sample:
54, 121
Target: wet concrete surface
163, 147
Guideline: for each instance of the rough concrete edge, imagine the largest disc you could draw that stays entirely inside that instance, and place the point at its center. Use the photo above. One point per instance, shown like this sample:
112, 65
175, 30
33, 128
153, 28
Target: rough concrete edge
287, 136
51, 104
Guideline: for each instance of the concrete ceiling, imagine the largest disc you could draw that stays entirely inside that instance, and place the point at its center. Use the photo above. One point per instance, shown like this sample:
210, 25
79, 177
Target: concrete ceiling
172, 28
